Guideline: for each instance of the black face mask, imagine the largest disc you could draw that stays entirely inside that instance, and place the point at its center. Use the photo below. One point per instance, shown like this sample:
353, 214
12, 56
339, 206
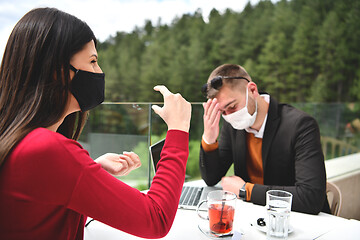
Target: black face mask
88, 88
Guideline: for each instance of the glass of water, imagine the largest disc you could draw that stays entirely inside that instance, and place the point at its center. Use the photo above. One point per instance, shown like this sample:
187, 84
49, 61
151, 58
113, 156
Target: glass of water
278, 207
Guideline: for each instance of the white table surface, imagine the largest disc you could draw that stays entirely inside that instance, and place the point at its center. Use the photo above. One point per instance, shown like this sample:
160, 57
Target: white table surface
348, 231
185, 226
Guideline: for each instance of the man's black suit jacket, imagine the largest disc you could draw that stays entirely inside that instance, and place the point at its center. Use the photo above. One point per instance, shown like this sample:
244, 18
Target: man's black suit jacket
291, 153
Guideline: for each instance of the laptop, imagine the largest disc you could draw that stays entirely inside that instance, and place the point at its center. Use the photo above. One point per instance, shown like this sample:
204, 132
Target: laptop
190, 195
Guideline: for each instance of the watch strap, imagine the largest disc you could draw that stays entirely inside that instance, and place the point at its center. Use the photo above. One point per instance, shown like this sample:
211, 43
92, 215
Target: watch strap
242, 193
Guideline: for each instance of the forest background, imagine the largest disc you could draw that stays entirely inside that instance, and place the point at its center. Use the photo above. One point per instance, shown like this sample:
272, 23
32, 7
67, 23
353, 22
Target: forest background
298, 51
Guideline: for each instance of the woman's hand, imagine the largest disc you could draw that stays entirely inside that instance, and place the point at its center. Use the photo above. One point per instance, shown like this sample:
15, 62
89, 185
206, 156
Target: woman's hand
119, 164
176, 111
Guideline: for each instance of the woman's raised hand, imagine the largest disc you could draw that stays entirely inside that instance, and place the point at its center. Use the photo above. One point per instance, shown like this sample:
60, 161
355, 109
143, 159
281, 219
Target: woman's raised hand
176, 111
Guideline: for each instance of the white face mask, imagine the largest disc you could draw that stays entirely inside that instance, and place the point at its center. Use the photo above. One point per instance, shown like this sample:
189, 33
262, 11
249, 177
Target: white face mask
241, 119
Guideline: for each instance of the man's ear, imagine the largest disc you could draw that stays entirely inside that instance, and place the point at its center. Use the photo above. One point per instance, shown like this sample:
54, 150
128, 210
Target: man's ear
252, 89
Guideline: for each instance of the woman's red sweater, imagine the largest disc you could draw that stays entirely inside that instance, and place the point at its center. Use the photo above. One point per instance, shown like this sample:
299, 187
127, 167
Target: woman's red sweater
49, 185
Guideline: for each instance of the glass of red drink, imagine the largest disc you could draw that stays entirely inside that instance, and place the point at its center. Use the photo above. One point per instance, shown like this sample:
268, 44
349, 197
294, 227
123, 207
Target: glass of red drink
221, 211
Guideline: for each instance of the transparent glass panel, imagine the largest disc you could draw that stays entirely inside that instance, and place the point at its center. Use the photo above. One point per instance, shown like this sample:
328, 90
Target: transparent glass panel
339, 125
118, 127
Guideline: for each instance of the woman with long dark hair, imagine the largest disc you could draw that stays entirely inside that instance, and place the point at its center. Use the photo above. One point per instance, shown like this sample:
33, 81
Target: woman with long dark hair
49, 79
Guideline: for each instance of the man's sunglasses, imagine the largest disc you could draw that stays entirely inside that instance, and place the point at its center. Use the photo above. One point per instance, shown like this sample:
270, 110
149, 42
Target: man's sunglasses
217, 82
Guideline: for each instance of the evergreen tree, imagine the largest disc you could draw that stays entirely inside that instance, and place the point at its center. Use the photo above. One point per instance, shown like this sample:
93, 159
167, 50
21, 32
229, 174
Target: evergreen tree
303, 55
154, 66
274, 66
349, 14
331, 47
257, 22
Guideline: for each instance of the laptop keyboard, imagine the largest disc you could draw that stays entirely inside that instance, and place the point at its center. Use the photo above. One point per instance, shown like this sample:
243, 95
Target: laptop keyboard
190, 195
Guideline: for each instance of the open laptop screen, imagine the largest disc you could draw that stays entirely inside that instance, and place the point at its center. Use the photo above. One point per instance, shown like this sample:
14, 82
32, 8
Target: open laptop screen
155, 151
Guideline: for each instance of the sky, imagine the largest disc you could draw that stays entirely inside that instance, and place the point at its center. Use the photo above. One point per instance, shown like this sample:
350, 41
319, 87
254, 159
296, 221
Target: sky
106, 17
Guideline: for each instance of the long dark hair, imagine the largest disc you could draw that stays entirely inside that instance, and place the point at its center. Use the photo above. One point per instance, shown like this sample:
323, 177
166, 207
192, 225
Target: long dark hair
34, 75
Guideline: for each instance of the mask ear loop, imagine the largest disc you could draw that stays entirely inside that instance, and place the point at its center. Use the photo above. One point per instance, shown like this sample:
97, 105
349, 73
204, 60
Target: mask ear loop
74, 69
255, 107
247, 95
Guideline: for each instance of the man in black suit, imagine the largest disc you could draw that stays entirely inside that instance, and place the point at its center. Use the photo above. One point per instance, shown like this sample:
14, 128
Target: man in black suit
272, 145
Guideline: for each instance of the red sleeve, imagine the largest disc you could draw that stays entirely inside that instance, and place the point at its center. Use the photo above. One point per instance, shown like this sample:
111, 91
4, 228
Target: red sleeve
99, 195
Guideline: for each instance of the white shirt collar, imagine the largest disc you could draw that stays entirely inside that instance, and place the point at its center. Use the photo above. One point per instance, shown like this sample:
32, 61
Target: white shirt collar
260, 133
